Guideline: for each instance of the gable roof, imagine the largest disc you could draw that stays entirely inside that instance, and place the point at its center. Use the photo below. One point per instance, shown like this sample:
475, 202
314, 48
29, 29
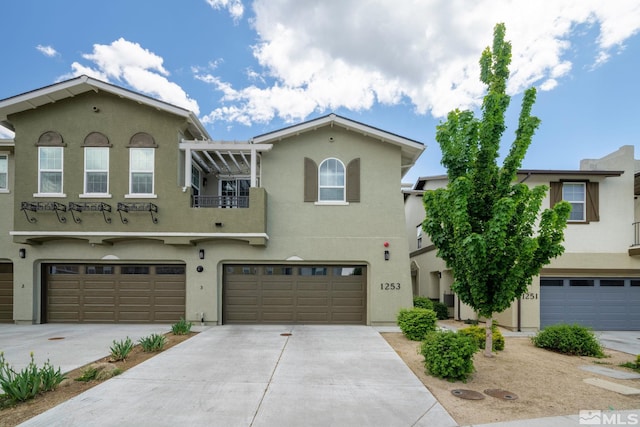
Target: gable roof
82, 84
411, 149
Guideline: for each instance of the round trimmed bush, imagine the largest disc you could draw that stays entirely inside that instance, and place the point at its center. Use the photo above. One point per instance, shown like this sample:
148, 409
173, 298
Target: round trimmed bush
416, 323
569, 339
480, 335
449, 355
422, 302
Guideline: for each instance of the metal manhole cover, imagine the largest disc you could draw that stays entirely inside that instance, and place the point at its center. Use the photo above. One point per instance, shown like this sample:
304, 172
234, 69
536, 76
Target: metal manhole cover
56, 338
467, 394
501, 394
285, 334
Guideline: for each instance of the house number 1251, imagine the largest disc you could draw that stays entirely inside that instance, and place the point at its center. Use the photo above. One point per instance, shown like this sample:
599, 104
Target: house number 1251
389, 286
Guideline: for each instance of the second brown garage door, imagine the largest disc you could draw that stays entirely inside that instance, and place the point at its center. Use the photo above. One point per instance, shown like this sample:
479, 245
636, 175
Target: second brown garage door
103, 293
294, 294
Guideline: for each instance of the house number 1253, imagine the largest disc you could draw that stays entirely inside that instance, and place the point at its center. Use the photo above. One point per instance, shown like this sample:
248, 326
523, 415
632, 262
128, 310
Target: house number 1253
389, 286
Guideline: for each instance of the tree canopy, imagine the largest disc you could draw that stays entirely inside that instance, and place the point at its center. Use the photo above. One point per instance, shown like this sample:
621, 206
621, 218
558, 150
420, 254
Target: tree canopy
486, 226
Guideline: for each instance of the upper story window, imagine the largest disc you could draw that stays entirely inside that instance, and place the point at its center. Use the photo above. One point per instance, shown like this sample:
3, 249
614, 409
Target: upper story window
96, 170
419, 235
195, 180
4, 173
583, 197
141, 165
331, 181
50, 165
96, 165
575, 194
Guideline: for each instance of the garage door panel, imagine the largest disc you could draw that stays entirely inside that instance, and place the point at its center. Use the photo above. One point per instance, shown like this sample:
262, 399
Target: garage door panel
604, 306
293, 294
103, 295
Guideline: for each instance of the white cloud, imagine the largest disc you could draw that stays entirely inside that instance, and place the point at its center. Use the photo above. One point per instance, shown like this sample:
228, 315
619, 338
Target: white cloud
139, 68
47, 50
325, 54
234, 7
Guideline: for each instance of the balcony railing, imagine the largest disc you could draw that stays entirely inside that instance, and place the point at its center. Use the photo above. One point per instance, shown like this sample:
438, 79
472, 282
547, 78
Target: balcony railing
219, 201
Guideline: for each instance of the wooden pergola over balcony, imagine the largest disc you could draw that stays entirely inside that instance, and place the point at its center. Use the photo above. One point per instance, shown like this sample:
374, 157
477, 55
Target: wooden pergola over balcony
223, 158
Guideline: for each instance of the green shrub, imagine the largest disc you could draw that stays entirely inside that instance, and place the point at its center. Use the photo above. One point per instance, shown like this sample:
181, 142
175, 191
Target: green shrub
633, 365
569, 339
417, 322
154, 342
182, 327
121, 349
422, 302
29, 382
442, 312
480, 335
449, 355
88, 374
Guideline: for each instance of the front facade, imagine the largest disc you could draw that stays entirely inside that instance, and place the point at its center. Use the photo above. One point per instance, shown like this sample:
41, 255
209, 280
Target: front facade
595, 283
121, 208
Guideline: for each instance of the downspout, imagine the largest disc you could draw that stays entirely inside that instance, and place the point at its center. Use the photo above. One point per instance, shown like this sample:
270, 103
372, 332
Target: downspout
519, 315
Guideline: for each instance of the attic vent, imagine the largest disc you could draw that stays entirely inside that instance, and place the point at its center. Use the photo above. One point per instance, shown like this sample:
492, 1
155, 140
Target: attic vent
142, 139
50, 138
96, 139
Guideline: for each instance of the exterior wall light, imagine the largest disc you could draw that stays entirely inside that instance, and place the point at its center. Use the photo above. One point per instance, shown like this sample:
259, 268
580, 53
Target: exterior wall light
387, 255
22, 253
201, 254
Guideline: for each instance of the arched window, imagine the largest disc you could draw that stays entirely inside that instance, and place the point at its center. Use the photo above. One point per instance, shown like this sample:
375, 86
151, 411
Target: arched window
331, 181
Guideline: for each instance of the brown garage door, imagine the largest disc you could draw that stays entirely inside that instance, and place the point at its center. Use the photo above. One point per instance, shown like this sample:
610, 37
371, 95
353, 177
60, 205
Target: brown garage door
6, 293
294, 294
114, 293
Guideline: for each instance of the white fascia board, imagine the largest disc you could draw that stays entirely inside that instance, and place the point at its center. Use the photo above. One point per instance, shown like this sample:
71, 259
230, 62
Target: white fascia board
223, 146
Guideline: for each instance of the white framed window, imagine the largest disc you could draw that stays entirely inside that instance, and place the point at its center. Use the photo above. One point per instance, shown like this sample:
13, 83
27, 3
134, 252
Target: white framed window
4, 173
96, 171
419, 235
195, 180
234, 192
331, 181
141, 172
50, 170
575, 193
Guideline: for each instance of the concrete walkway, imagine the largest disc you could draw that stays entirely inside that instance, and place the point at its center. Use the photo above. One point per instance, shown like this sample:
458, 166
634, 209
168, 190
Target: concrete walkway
256, 376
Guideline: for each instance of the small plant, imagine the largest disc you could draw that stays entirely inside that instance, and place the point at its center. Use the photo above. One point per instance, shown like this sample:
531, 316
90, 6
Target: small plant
449, 355
29, 382
442, 312
471, 321
121, 349
569, 339
422, 302
182, 327
154, 342
480, 335
416, 323
633, 365
88, 374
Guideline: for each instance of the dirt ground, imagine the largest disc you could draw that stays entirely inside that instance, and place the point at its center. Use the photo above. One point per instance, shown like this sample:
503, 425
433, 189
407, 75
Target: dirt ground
69, 388
546, 383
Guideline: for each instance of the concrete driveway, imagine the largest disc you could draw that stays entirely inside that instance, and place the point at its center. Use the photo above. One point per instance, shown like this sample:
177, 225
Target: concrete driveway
248, 376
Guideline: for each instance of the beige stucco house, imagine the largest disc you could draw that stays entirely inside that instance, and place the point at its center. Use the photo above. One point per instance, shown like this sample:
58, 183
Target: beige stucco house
596, 282
117, 207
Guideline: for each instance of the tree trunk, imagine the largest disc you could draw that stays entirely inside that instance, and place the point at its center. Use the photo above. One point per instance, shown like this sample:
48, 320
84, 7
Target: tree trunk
488, 343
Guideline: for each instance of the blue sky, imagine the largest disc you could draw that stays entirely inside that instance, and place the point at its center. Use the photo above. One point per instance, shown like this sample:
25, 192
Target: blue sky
250, 67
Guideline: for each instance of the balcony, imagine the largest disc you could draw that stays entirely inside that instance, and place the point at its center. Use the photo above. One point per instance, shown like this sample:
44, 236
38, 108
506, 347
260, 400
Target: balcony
634, 250
219, 201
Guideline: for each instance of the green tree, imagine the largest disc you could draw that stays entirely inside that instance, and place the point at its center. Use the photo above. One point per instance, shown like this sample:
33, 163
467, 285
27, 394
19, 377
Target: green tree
486, 226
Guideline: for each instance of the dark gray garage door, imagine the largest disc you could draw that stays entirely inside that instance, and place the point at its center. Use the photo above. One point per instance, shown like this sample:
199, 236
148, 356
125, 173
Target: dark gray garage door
6, 293
113, 293
294, 294
604, 304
